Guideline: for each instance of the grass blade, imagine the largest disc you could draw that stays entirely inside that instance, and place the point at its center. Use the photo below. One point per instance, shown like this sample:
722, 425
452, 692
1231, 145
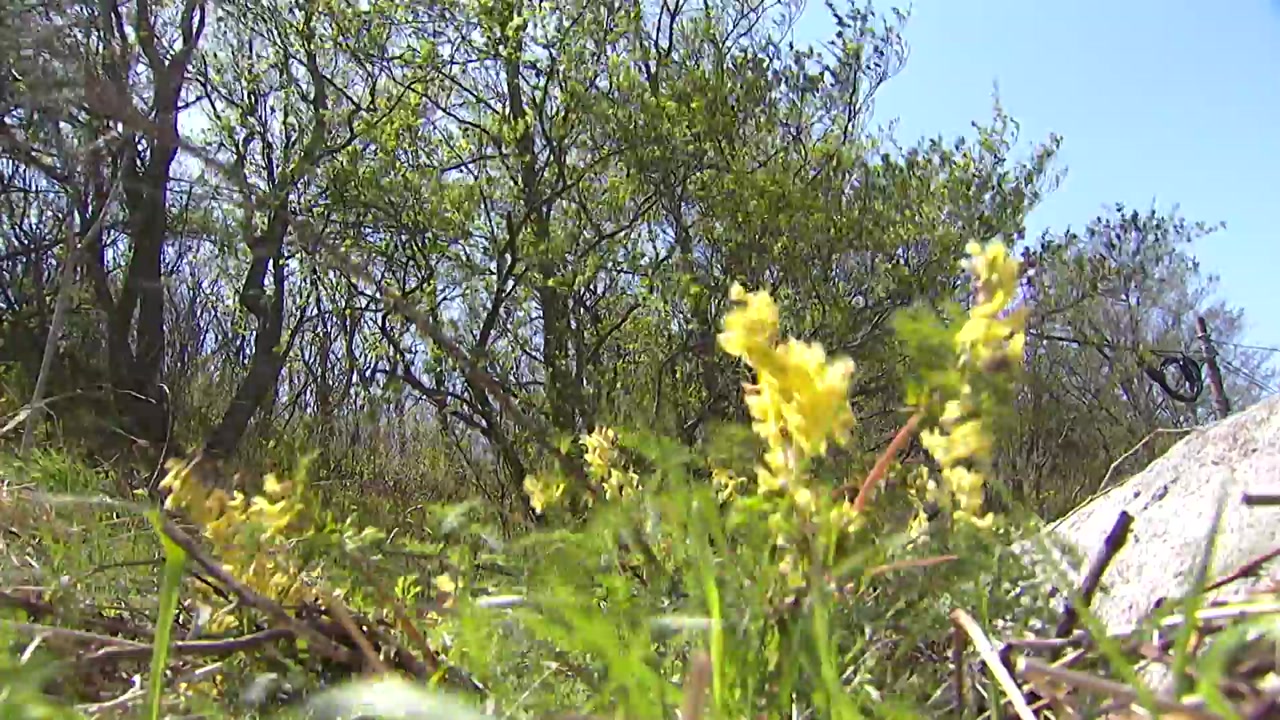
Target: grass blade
175, 560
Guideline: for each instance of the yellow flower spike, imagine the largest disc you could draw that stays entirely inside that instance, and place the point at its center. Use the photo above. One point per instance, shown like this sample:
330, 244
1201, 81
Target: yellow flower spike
222, 623
726, 483
815, 402
991, 338
445, 583
952, 413
966, 486
600, 451
751, 328
221, 530
1017, 346
935, 443
216, 502
986, 522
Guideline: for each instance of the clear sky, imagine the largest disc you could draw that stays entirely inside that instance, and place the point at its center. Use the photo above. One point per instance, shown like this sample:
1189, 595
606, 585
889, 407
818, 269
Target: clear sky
1157, 101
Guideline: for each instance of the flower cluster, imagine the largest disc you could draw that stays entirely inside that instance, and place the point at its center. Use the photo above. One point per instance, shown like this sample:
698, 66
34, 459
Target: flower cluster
727, 483
799, 402
991, 339
602, 464
800, 399
250, 535
543, 493
603, 468
993, 335
798, 405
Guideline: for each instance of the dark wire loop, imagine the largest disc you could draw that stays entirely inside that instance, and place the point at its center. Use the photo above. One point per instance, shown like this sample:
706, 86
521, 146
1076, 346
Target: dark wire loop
1188, 368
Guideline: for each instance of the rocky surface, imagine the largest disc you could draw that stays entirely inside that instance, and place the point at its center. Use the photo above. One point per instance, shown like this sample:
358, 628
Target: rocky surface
1172, 503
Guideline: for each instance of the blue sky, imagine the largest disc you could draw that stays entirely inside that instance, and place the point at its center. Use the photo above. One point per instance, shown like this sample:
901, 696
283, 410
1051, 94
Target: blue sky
1157, 101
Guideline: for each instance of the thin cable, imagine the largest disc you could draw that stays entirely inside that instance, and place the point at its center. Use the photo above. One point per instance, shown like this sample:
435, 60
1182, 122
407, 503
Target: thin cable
1263, 348
1098, 345
1248, 377
1187, 366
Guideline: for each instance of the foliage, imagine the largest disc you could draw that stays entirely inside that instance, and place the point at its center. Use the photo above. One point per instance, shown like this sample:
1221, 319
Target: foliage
1108, 303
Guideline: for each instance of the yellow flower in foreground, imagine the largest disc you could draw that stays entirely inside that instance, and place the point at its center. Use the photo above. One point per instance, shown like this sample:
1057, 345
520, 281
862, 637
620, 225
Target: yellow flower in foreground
991, 338
816, 396
986, 335
804, 499
799, 404
620, 483
750, 330
800, 397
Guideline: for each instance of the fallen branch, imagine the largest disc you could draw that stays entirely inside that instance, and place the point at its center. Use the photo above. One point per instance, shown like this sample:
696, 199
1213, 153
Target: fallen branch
1249, 569
193, 648
253, 599
79, 636
37, 608
1267, 499
338, 609
1038, 670
1115, 540
908, 564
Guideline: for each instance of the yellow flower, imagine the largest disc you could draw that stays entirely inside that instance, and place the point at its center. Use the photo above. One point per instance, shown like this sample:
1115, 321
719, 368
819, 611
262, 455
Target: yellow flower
966, 440
750, 329
798, 404
601, 450
445, 584
952, 413
620, 484
986, 336
991, 337
804, 499
769, 481
727, 482
274, 489
817, 396
542, 495
801, 398
216, 502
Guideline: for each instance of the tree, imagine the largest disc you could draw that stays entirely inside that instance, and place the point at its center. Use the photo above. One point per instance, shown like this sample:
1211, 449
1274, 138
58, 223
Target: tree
1111, 302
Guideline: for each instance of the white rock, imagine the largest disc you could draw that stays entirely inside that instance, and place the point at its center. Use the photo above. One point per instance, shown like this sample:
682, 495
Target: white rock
1172, 502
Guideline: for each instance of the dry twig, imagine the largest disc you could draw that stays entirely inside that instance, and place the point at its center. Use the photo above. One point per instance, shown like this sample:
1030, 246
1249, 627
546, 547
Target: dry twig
1089, 586
991, 659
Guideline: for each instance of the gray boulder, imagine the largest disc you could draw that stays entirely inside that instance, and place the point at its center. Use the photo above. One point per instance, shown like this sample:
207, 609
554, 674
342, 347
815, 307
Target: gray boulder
1172, 502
